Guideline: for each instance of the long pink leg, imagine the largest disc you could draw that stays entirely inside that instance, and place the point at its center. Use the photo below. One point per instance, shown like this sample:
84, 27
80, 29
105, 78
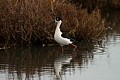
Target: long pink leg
74, 46
62, 49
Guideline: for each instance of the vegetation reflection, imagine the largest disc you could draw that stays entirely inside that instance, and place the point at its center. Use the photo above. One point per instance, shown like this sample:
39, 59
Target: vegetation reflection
25, 63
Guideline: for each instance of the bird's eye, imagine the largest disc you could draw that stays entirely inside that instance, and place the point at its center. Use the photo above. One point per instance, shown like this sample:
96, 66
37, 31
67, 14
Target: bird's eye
58, 19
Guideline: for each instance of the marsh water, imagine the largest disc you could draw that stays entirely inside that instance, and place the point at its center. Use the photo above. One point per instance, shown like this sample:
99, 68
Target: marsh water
98, 61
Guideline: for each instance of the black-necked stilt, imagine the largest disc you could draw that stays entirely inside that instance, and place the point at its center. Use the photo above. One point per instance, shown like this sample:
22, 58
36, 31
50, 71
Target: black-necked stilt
61, 38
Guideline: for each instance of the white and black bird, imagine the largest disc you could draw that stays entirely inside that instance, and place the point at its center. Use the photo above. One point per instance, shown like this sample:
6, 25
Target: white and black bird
61, 38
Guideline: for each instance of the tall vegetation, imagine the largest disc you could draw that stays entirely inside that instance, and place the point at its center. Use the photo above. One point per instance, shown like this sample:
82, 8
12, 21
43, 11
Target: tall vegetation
27, 22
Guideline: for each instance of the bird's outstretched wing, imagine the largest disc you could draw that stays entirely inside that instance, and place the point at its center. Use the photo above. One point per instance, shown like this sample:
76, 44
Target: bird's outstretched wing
68, 37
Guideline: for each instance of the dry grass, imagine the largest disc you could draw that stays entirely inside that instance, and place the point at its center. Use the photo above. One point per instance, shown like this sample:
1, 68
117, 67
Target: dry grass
107, 5
26, 22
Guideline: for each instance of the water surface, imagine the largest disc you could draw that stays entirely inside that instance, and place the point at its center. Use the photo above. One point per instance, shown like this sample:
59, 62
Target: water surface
99, 61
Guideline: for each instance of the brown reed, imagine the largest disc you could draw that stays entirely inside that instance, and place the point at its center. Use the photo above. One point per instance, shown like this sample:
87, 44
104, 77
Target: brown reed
107, 5
26, 22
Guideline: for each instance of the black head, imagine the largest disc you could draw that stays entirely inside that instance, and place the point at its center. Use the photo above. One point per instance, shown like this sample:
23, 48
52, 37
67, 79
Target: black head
58, 19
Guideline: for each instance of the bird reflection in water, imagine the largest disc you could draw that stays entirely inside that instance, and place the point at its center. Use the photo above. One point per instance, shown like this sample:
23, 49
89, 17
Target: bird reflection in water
62, 60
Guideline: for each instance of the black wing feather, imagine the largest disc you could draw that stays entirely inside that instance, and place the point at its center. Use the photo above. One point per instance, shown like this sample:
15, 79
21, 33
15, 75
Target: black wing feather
66, 36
